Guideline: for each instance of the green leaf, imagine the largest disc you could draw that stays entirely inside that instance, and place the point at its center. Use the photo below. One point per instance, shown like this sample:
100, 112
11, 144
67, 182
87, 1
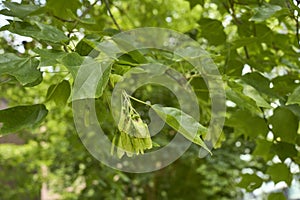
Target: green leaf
285, 124
93, 78
213, 31
62, 8
59, 93
114, 78
122, 45
258, 81
24, 69
49, 57
39, 31
18, 10
193, 3
280, 172
294, 98
17, 118
87, 44
284, 150
183, 123
248, 124
235, 93
250, 182
85, 47
243, 42
284, 85
72, 61
254, 94
264, 12
263, 149
276, 196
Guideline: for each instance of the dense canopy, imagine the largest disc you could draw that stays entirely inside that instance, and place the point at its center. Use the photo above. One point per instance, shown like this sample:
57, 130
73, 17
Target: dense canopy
58, 55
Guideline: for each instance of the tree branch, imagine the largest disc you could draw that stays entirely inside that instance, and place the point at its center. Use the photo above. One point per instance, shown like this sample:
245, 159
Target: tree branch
111, 15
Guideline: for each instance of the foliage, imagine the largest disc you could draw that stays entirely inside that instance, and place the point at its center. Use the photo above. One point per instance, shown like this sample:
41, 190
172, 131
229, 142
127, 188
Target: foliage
255, 45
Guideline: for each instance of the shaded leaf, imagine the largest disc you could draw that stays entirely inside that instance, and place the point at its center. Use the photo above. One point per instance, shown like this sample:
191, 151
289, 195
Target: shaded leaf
243, 42
280, 172
263, 149
193, 3
284, 124
250, 182
87, 44
294, 97
17, 118
248, 124
284, 85
276, 196
284, 150
213, 31
59, 93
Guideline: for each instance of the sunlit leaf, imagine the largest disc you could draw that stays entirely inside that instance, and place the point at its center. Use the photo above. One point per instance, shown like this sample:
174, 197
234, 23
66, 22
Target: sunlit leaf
18, 10
24, 69
254, 94
235, 93
183, 123
49, 57
264, 12
62, 8
38, 31
93, 78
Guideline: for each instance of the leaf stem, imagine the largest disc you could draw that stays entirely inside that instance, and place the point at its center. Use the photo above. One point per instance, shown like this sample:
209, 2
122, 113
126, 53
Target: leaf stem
140, 101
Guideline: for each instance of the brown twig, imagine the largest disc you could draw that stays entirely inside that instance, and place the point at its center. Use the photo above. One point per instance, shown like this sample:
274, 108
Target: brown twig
296, 18
82, 15
246, 53
111, 15
122, 11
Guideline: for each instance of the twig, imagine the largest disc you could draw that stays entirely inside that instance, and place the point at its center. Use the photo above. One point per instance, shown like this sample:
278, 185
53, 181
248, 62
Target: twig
296, 18
297, 24
64, 20
83, 14
122, 11
246, 53
231, 11
265, 119
111, 15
